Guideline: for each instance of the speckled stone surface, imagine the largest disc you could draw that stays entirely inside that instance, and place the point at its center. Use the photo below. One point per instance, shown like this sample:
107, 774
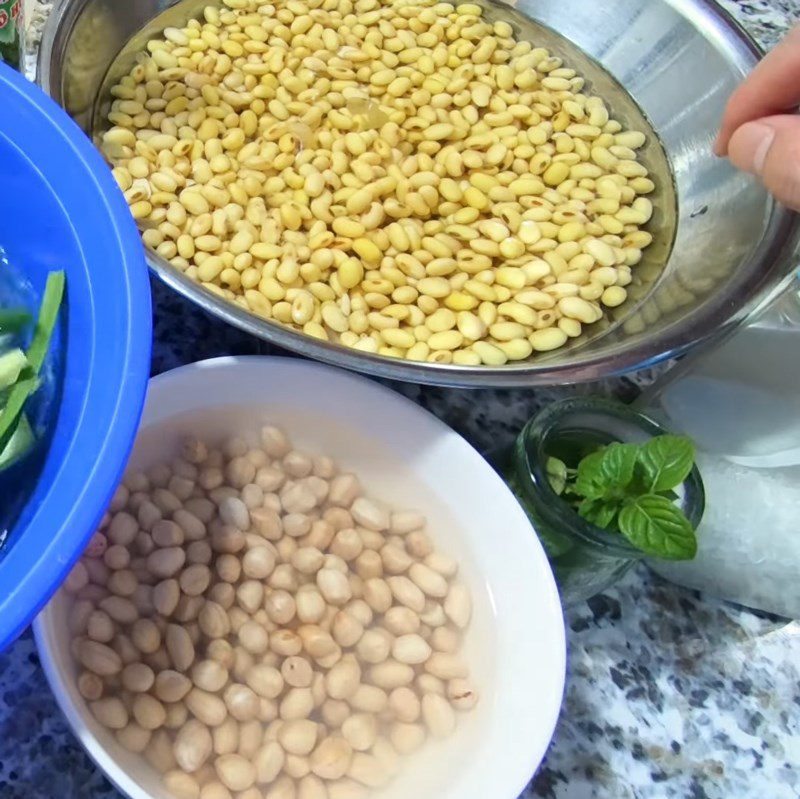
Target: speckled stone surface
670, 694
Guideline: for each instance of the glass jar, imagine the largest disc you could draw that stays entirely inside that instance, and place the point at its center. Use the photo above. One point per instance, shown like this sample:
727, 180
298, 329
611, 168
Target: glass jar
586, 559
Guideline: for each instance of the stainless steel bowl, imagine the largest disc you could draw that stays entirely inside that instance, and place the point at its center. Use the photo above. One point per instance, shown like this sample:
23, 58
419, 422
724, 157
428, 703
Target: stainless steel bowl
721, 244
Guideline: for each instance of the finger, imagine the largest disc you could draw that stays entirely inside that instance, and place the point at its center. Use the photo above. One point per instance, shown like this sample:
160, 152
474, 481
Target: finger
772, 87
770, 149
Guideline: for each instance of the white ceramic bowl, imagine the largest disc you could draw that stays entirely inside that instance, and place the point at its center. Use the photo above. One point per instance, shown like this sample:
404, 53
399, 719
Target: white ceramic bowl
409, 459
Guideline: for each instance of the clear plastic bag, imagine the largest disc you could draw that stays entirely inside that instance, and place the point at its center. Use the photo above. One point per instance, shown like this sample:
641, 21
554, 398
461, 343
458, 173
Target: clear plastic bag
741, 405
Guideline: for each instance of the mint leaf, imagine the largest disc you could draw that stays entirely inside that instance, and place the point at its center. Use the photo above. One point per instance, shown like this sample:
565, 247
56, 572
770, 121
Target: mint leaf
599, 512
656, 527
591, 482
606, 472
557, 474
618, 463
666, 461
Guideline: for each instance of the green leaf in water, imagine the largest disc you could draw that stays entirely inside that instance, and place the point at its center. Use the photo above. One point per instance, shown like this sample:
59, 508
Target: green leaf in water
557, 475
657, 527
666, 461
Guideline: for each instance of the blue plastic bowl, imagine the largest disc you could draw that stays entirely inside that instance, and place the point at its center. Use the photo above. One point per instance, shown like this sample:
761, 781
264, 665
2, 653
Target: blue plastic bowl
61, 209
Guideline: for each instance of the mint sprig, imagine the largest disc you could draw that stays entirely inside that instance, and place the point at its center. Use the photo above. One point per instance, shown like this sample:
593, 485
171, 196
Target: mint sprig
628, 488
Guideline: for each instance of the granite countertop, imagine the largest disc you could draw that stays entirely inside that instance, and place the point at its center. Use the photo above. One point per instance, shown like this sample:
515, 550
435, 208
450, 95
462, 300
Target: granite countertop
670, 693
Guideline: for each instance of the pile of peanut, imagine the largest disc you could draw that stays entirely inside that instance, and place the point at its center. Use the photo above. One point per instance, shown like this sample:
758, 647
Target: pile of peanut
257, 628
405, 178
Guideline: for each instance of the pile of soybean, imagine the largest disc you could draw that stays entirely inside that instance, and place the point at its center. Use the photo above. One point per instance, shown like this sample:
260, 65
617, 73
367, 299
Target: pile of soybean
404, 178
257, 628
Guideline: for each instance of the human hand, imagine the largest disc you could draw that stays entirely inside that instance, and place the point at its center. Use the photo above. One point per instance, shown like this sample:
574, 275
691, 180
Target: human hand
759, 132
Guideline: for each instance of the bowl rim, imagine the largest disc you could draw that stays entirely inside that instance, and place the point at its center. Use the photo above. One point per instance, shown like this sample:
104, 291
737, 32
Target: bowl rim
519, 750
776, 257
94, 451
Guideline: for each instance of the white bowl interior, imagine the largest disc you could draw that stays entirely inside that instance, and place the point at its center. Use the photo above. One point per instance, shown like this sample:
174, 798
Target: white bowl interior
408, 459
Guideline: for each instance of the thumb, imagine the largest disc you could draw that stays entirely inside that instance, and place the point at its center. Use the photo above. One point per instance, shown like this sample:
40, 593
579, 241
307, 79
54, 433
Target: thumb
770, 149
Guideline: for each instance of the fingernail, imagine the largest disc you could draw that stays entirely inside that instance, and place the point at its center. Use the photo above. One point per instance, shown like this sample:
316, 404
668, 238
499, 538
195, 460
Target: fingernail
749, 146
